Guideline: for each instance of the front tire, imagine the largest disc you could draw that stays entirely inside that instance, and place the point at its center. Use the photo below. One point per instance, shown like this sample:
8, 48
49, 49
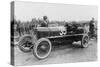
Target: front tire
42, 48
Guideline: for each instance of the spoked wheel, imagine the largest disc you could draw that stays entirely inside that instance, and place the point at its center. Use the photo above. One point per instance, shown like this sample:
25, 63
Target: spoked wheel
25, 44
84, 42
42, 48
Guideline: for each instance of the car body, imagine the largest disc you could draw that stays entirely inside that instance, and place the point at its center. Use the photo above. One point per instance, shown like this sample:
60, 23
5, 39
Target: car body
42, 38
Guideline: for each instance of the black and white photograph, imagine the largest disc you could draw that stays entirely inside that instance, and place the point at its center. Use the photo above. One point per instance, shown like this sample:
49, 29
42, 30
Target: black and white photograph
52, 33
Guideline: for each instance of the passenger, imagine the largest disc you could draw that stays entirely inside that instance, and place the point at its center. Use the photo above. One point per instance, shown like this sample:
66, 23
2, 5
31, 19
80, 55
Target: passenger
86, 28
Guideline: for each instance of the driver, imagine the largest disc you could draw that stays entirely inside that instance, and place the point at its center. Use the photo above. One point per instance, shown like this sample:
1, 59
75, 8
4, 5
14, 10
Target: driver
45, 22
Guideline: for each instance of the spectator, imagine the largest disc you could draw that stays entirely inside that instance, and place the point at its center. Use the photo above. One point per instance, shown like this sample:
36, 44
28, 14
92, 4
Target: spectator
91, 28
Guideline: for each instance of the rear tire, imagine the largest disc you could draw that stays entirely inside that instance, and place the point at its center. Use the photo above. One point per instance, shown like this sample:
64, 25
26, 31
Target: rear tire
84, 42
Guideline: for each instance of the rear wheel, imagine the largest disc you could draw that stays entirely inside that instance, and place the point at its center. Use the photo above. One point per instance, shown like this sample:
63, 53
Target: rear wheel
42, 48
84, 42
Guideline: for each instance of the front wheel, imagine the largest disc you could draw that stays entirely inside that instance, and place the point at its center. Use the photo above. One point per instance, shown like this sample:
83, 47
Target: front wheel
42, 48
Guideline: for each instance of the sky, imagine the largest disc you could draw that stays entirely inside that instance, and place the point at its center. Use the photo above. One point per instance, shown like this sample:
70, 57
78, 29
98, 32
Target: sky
25, 11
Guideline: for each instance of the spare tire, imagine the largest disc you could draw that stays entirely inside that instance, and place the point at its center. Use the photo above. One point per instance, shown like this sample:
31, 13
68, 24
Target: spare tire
25, 43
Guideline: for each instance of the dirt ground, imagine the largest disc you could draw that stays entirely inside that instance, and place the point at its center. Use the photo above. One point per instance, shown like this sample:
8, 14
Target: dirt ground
63, 53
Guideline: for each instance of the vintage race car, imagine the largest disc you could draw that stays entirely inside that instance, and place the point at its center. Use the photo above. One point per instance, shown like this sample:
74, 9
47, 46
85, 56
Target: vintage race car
41, 40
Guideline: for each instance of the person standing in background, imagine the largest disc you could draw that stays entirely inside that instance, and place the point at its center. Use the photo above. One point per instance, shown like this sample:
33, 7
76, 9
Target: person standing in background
91, 28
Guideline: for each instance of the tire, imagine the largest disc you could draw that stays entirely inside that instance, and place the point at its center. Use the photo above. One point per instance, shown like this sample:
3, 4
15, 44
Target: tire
25, 40
43, 45
84, 42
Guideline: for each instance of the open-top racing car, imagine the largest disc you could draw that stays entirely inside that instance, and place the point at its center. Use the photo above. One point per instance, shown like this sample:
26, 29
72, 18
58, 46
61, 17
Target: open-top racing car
41, 40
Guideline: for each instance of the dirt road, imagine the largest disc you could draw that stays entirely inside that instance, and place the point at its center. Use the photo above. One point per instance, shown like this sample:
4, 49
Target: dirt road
60, 54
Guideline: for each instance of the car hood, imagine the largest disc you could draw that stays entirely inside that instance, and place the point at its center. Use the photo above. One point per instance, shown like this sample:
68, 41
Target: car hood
59, 28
